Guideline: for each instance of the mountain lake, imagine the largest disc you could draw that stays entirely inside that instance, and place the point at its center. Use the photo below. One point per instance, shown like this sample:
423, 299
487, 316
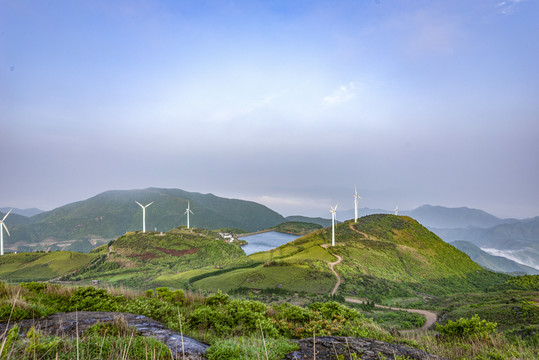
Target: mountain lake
266, 241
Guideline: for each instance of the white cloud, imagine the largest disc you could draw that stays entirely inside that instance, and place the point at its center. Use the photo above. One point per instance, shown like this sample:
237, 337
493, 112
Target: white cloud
508, 7
343, 94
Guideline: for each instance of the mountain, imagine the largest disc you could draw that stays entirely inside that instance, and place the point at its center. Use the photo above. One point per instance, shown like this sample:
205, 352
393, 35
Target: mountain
518, 240
24, 212
448, 218
382, 256
490, 262
14, 219
112, 213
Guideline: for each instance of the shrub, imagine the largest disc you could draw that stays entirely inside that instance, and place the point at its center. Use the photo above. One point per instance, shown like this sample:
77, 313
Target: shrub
465, 328
91, 299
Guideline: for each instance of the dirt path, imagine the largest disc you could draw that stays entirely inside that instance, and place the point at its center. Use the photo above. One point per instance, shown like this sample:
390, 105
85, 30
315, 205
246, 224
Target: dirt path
331, 265
359, 232
429, 315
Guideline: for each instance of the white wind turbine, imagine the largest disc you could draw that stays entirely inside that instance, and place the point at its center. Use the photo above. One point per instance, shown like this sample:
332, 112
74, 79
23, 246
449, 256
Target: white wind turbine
396, 210
2, 227
143, 215
333, 212
187, 211
356, 198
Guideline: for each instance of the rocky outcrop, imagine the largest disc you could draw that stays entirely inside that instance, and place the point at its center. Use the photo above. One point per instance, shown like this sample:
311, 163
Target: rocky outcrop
67, 324
331, 347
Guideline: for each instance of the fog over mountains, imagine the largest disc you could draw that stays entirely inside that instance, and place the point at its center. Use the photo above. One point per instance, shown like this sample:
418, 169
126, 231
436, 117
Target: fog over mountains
112, 213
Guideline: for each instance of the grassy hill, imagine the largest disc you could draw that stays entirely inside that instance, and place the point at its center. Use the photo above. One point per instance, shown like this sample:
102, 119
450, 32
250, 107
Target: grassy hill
152, 259
113, 213
297, 227
383, 256
41, 266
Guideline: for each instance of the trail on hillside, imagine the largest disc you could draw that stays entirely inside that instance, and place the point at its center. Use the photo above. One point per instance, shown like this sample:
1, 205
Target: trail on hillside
359, 232
429, 315
331, 265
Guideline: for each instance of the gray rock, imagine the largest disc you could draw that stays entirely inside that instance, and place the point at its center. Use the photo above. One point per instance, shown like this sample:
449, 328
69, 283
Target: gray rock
329, 347
65, 324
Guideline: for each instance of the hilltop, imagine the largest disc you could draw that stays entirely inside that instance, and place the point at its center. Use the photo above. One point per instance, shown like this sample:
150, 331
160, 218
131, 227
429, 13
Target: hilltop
139, 259
383, 256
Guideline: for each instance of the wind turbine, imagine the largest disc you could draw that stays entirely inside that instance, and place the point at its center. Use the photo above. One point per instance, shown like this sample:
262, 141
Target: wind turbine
2, 227
396, 210
356, 198
187, 211
143, 215
333, 212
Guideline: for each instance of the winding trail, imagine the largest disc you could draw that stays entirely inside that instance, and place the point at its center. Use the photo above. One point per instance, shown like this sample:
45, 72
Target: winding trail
359, 232
331, 265
429, 315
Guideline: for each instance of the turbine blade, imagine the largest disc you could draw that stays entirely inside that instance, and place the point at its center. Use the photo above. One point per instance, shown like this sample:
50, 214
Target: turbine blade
149, 204
139, 204
5, 227
5, 216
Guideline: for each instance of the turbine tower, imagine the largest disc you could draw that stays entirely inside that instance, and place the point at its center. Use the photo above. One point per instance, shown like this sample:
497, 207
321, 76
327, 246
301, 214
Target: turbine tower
396, 210
333, 212
2, 227
143, 215
187, 211
356, 198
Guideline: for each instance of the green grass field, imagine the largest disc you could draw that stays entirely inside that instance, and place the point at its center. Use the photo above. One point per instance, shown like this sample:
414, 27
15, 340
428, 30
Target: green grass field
41, 266
293, 277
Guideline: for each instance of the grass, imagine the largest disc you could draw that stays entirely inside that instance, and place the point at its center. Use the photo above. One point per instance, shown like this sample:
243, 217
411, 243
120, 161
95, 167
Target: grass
234, 327
42, 266
287, 277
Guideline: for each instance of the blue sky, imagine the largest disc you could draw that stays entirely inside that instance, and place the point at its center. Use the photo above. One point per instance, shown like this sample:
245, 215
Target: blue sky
288, 103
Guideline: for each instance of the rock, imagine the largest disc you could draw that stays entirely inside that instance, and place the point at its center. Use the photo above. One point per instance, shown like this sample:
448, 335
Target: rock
65, 324
329, 347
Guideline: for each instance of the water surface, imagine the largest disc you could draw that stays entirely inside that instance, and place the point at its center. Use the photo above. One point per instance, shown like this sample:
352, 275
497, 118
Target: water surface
266, 241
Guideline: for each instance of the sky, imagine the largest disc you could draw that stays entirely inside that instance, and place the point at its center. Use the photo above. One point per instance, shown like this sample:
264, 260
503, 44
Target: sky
287, 103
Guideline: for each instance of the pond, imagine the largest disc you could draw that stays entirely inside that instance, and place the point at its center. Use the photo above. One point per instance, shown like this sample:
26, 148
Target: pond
266, 241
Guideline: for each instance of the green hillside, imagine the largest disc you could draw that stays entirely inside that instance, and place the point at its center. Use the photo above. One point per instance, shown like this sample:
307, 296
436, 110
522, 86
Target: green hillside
41, 266
297, 227
383, 256
113, 213
150, 259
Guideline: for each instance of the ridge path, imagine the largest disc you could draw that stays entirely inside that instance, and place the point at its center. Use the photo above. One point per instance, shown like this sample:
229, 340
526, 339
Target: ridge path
429, 315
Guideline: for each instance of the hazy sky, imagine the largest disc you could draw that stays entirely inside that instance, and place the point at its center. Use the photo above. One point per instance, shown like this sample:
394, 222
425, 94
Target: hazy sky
288, 103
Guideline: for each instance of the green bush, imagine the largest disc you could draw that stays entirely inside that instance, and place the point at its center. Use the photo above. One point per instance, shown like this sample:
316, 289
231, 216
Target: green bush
331, 309
466, 328
91, 299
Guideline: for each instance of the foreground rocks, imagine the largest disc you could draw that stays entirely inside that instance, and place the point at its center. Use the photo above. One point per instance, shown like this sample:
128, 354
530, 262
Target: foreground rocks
330, 347
67, 324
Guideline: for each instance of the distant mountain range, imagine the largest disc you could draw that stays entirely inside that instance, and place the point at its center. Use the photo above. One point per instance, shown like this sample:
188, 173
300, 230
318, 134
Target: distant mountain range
24, 212
113, 213
491, 262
